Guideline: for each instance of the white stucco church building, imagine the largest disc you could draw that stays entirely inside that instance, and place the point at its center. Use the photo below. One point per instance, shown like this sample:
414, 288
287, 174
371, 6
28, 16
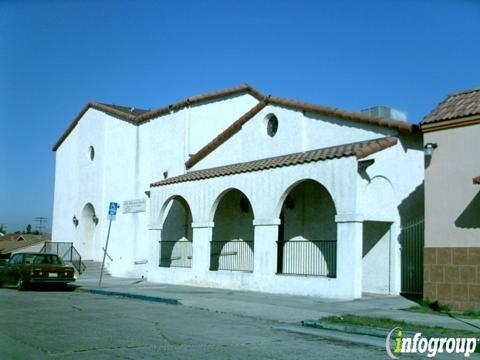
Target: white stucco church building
239, 190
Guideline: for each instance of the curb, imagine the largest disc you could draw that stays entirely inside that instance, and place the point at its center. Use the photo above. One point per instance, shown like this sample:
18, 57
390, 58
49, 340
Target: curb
351, 329
131, 296
335, 335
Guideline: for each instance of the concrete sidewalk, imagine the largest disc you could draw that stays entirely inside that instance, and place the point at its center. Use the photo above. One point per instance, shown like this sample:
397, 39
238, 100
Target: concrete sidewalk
281, 308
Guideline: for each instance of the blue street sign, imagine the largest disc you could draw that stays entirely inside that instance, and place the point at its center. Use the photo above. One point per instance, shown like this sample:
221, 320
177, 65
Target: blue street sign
112, 209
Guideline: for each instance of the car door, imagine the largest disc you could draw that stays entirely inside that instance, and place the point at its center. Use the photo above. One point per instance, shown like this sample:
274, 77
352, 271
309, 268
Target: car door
4, 272
13, 269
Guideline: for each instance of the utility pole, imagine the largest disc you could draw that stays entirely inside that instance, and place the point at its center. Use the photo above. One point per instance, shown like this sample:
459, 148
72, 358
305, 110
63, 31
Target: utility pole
40, 221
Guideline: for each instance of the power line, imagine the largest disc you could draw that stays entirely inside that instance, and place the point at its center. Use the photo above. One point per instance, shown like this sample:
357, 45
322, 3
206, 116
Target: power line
40, 223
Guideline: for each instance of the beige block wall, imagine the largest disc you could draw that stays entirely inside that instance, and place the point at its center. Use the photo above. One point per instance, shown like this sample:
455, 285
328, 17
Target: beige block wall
452, 219
452, 276
452, 201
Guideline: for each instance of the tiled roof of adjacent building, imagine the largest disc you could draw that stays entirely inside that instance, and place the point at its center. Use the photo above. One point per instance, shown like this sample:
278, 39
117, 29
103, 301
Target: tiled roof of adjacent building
20, 241
358, 149
9, 236
138, 116
476, 180
456, 106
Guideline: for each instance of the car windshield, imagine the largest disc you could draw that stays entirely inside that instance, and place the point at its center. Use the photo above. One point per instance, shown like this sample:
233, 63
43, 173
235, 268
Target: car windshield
42, 259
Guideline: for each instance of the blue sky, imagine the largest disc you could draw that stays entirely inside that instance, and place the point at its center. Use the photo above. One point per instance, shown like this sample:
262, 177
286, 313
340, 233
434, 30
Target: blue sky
57, 55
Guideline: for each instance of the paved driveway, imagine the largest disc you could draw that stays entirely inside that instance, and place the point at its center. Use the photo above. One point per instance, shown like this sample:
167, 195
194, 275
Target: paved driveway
52, 324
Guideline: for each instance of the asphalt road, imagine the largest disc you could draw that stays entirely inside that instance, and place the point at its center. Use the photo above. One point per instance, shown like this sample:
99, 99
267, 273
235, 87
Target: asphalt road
73, 325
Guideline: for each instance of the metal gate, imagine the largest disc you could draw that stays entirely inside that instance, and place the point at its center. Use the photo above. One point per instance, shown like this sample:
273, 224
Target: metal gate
412, 244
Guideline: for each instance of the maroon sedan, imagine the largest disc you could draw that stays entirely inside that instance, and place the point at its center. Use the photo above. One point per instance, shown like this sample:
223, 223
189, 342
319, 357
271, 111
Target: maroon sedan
35, 268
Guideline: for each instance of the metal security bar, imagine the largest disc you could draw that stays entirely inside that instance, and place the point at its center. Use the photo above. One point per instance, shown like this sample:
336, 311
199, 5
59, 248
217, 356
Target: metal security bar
412, 243
67, 252
176, 253
233, 255
307, 257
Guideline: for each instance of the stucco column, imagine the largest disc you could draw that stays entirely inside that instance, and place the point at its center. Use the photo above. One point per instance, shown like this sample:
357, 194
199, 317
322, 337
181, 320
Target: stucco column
349, 253
202, 235
265, 247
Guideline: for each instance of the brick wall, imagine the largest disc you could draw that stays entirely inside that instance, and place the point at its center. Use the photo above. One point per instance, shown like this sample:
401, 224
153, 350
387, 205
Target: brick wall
452, 276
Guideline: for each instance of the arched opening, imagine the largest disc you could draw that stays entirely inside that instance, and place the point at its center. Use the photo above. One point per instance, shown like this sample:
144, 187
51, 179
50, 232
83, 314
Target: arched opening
232, 238
88, 222
307, 239
176, 245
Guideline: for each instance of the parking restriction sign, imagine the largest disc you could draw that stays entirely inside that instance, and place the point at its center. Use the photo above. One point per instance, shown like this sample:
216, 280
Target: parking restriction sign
112, 210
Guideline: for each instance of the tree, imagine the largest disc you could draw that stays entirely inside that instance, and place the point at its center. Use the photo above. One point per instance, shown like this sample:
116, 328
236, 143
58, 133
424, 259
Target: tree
29, 229
3, 229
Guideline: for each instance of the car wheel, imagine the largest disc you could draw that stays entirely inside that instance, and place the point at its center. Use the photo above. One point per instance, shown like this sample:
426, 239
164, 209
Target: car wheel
21, 284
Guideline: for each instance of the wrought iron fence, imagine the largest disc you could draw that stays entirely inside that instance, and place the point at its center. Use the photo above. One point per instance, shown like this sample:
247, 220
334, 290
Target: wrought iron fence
412, 244
233, 255
67, 252
307, 257
176, 253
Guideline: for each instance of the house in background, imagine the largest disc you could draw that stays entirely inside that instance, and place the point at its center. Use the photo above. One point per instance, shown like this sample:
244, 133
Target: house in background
236, 189
13, 243
452, 201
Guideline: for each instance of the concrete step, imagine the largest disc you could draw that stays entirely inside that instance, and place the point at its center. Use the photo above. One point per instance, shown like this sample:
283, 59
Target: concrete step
93, 269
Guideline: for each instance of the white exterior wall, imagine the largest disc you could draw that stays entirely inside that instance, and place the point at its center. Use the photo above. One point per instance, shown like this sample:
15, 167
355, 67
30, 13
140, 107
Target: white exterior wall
123, 181
393, 179
78, 180
392, 193
128, 158
266, 191
207, 120
296, 132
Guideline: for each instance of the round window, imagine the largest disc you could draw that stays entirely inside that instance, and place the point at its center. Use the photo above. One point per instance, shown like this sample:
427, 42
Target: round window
91, 153
272, 125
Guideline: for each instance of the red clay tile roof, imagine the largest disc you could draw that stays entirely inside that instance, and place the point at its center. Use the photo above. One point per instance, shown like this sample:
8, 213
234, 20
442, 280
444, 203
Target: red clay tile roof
127, 109
358, 149
141, 116
102, 107
401, 126
476, 180
457, 105
138, 117
225, 135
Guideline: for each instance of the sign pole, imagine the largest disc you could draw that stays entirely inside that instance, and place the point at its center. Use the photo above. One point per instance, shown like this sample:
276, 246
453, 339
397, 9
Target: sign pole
104, 254
112, 211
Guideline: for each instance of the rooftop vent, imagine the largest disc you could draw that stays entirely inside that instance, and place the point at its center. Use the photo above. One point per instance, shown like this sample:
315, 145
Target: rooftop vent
386, 112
